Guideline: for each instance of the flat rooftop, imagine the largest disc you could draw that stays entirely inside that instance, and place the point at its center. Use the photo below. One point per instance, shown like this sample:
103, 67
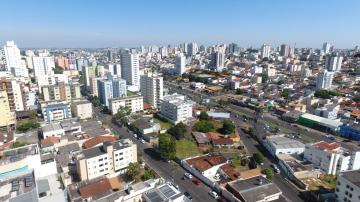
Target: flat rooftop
283, 142
19, 187
352, 176
13, 155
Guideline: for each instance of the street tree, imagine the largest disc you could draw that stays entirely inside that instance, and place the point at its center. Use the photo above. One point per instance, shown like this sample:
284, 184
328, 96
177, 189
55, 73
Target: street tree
178, 131
167, 147
133, 171
228, 127
258, 158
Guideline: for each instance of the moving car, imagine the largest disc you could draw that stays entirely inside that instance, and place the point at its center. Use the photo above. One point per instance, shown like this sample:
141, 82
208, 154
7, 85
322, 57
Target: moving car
188, 175
196, 182
213, 194
275, 168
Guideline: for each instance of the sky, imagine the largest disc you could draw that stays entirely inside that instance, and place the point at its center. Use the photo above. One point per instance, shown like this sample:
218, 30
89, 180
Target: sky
131, 23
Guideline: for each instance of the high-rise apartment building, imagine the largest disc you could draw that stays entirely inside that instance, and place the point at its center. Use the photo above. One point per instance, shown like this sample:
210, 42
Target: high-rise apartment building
326, 47
112, 87
151, 87
130, 69
43, 65
218, 60
192, 49
61, 91
114, 69
7, 117
176, 108
265, 51
12, 55
333, 63
324, 79
284, 50
15, 93
180, 64
89, 72
233, 48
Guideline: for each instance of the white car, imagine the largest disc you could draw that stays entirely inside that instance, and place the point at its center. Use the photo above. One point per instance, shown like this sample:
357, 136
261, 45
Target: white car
213, 194
142, 141
135, 136
188, 175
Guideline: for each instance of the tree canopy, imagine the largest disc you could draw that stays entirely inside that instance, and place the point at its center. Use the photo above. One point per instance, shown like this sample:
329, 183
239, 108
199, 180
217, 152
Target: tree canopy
268, 172
258, 157
228, 127
133, 171
204, 116
178, 131
203, 126
325, 94
167, 147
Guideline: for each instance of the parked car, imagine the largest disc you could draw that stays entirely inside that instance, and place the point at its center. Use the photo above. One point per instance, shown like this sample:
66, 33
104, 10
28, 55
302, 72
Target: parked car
275, 168
142, 141
196, 182
188, 175
187, 195
213, 194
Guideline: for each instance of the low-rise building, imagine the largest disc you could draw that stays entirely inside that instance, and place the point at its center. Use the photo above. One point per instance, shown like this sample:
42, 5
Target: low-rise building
55, 110
164, 192
145, 126
331, 158
81, 109
176, 108
256, 189
348, 186
134, 103
280, 144
108, 158
52, 130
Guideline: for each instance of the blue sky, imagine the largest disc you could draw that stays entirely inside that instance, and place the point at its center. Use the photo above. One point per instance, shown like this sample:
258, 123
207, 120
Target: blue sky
125, 23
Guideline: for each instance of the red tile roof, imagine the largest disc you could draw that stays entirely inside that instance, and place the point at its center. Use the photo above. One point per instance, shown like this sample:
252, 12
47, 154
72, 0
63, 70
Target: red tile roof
212, 135
230, 172
95, 188
97, 140
50, 139
222, 141
147, 106
327, 146
203, 163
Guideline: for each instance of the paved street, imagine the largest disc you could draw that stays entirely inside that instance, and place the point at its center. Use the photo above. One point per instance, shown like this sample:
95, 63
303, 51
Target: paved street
169, 171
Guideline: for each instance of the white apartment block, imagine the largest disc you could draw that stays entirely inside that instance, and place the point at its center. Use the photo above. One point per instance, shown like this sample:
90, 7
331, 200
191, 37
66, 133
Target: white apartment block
43, 66
331, 158
12, 55
348, 186
55, 110
176, 108
81, 109
333, 63
180, 64
135, 103
108, 158
51, 80
265, 51
130, 69
324, 79
151, 88
94, 86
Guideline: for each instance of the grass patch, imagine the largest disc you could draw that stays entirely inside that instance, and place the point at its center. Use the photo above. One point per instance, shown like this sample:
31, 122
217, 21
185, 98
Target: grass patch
164, 124
130, 93
186, 148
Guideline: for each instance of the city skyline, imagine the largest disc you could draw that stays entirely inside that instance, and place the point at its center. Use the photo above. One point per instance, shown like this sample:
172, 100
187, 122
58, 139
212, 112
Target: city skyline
95, 24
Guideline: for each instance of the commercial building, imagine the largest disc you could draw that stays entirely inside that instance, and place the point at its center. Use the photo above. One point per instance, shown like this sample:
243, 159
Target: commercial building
331, 158
348, 186
55, 110
176, 108
284, 50
106, 159
112, 87
130, 69
319, 123
280, 144
61, 91
151, 87
324, 80
82, 109
180, 64
7, 117
134, 103
255, 189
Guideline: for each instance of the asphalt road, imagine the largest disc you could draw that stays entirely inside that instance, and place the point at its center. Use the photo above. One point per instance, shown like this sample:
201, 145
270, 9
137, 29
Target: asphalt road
169, 171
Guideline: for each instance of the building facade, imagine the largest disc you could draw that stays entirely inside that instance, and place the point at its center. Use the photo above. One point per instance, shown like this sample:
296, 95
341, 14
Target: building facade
176, 108
151, 88
55, 110
130, 69
61, 91
134, 103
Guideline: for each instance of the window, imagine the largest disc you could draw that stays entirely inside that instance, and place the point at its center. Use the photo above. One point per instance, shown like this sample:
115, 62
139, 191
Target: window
101, 159
338, 183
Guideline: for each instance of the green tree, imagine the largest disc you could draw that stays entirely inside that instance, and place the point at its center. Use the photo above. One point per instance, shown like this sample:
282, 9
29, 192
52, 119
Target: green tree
27, 125
204, 116
239, 91
325, 94
148, 174
258, 157
178, 131
228, 127
264, 78
167, 147
203, 126
268, 172
17, 144
285, 93
58, 69
122, 113
133, 171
